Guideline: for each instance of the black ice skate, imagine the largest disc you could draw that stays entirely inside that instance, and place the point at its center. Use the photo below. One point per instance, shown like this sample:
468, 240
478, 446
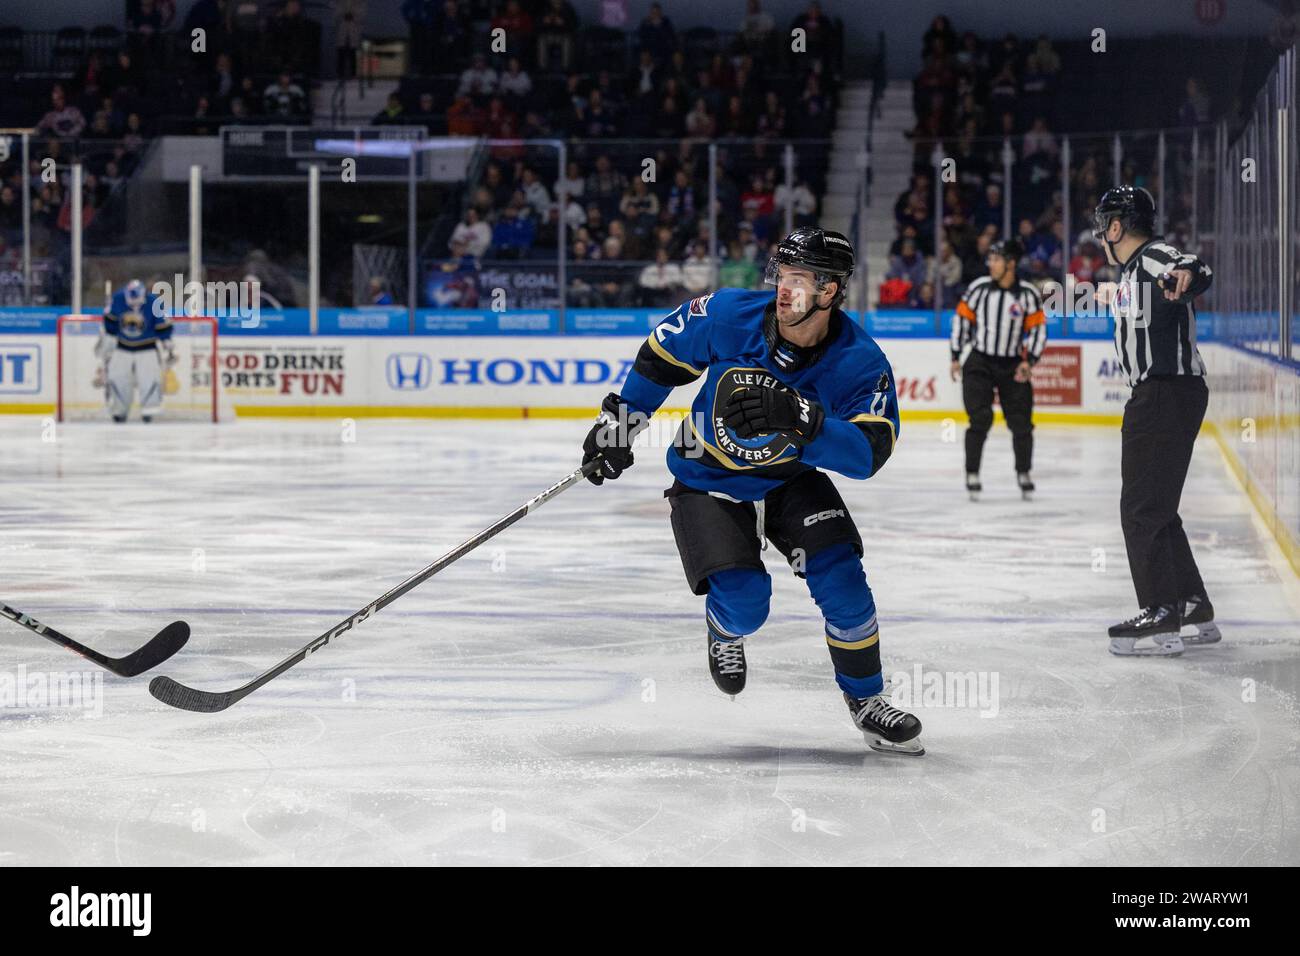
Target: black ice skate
1026, 485
1198, 612
1160, 623
887, 729
973, 486
726, 661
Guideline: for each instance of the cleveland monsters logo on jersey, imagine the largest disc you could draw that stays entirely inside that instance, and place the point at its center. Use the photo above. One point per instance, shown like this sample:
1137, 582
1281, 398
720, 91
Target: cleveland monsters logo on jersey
760, 450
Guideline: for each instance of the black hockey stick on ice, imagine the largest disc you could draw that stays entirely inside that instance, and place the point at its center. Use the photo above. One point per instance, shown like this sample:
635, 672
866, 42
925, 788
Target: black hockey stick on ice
159, 647
207, 702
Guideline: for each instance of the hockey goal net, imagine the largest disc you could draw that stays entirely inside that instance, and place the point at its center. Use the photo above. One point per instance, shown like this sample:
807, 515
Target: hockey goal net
191, 388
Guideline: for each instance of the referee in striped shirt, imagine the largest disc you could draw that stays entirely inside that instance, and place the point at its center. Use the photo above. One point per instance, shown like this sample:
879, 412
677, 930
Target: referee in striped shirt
1002, 319
1155, 339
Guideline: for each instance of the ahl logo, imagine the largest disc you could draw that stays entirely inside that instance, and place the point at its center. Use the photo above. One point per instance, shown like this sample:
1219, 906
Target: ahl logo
824, 516
700, 305
409, 371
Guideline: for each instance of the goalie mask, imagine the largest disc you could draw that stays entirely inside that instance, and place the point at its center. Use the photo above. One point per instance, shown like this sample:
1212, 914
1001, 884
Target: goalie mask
134, 293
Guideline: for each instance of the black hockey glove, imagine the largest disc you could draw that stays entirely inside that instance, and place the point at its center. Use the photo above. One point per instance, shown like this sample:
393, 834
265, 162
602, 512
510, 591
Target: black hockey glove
758, 411
610, 439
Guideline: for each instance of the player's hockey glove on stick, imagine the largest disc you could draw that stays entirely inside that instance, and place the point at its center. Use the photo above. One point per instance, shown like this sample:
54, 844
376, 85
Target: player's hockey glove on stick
750, 412
610, 439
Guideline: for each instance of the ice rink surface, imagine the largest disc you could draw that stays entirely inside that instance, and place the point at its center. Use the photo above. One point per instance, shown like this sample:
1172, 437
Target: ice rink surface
547, 699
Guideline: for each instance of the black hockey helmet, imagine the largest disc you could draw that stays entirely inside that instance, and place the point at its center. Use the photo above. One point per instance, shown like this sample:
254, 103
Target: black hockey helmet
827, 254
1133, 206
1008, 249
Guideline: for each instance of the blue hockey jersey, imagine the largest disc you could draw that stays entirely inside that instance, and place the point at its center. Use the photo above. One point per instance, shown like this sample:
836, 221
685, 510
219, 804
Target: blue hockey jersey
731, 337
136, 328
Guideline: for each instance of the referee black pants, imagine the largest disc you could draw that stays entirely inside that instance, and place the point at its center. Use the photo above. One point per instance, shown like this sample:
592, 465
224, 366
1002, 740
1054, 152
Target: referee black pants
1161, 421
981, 376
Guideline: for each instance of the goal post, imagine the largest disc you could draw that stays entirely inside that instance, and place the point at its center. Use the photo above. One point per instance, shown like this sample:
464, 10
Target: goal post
192, 389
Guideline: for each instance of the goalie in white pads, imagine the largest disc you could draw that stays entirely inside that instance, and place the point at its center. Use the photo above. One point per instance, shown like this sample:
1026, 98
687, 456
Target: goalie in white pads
137, 348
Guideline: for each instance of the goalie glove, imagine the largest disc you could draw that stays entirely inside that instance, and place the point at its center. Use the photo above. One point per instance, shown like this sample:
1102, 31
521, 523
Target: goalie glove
167, 354
105, 345
751, 412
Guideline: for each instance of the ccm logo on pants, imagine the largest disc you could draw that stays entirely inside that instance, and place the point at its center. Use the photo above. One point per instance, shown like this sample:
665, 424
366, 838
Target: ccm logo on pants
823, 515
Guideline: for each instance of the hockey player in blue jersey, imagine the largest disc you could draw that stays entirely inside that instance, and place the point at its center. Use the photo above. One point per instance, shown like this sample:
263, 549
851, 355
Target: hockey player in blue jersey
792, 388
135, 333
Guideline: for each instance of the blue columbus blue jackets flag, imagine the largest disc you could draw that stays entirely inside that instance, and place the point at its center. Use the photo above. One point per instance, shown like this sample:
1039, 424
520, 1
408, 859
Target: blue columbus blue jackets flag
731, 338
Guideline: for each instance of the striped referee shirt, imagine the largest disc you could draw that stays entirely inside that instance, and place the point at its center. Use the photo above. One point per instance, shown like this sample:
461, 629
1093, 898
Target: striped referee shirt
1154, 335
1006, 323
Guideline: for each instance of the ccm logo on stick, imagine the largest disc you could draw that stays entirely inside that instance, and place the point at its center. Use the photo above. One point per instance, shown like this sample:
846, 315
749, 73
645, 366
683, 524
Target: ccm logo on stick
823, 515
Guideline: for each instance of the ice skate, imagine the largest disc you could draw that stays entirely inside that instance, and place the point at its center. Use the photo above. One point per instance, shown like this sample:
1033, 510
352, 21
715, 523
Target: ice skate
727, 661
1198, 612
973, 486
887, 729
1026, 484
1159, 624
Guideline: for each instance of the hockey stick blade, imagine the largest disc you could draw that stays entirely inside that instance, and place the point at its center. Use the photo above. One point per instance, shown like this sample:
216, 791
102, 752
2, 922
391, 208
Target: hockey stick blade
175, 694
156, 650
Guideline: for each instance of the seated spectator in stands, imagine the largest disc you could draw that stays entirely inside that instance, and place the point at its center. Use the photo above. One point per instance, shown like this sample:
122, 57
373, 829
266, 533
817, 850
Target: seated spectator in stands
1003, 91
464, 118
1043, 251
656, 34
512, 237
392, 113
605, 187
756, 27
146, 20
472, 233
989, 211
1040, 140
452, 37
574, 182
922, 297
813, 110
944, 272
737, 271
295, 38
661, 281
908, 265
1088, 262
940, 38
515, 83
974, 263
737, 123
500, 122
801, 197
611, 250
697, 270
1044, 60
536, 195
700, 122
555, 30
668, 122
517, 24
680, 208
643, 82
378, 292
970, 57
818, 31
575, 216
759, 198
1196, 108
640, 207
771, 122
478, 80
284, 98
202, 123
222, 83
425, 115
904, 234
133, 138
595, 120
595, 227
63, 119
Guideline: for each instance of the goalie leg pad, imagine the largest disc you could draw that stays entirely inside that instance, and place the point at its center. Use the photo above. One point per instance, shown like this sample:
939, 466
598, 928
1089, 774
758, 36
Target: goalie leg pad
148, 376
120, 383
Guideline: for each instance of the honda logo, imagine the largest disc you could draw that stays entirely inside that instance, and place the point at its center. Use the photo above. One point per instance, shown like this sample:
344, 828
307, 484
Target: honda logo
409, 371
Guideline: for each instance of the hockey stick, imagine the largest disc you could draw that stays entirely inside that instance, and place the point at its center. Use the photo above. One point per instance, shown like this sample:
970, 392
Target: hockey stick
159, 647
207, 702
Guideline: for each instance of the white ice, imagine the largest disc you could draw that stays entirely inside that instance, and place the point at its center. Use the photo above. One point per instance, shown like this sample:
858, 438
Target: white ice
547, 700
